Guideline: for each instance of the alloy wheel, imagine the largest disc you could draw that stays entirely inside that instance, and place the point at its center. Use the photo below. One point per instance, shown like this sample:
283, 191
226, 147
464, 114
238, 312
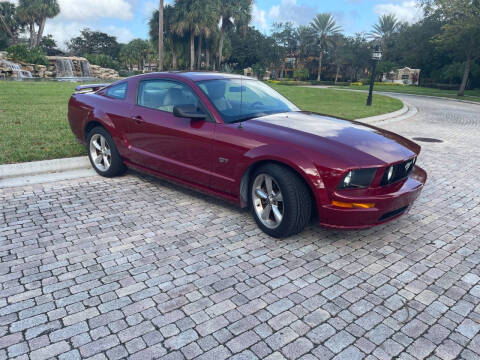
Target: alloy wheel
100, 152
268, 201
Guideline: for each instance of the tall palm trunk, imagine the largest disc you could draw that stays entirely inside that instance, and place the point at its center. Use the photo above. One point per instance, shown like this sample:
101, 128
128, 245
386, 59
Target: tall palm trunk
336, 75
174, 59
466, 73
199, 52
320, 59
192, 51
33, 36
207, 56
220, 46
160, 36
41, 28
7, 29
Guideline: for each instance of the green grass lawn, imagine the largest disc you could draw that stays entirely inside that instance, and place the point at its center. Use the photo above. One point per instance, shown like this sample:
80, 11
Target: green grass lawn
470, 95
34, 125
344, 104
33, 122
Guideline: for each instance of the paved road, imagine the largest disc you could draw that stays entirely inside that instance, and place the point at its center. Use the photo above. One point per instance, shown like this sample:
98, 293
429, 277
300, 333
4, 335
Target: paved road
134, 267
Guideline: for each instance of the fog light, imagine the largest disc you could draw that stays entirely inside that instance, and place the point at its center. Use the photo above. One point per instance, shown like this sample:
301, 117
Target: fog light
353, 205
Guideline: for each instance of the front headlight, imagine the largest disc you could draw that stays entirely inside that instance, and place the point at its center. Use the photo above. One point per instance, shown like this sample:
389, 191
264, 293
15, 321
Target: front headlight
360, 178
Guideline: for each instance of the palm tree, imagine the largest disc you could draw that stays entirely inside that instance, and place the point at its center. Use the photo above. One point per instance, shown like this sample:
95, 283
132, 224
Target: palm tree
387, 25
32, 12
232, 12
305, 36
325, 26
160, 36
194, 17
46, 9
173, 43
8, 20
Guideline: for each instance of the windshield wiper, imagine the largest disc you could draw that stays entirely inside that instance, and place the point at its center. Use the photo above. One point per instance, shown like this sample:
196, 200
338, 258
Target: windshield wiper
246, 118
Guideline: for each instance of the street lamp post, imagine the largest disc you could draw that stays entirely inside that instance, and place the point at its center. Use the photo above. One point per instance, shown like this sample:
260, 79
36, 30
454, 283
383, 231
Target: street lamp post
376, 56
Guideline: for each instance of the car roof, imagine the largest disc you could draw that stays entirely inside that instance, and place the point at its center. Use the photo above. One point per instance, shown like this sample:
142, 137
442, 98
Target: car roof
201, 75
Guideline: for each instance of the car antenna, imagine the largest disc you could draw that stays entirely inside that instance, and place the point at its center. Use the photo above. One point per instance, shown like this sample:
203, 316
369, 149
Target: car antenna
240, 126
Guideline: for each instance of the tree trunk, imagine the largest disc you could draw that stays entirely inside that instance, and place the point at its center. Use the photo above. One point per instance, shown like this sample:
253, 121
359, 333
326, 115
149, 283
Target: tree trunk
336, 75
192, 51
207, 56
160, 36
174, 59
199, 52
41, 28
320, 58
220, 46
466, 73
7, 29
31, 27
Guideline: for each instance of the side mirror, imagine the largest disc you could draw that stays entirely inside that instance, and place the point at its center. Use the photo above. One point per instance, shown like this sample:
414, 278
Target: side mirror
189, 112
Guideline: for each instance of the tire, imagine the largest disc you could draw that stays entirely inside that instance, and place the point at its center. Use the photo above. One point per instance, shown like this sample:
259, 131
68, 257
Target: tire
100, 145
289, 194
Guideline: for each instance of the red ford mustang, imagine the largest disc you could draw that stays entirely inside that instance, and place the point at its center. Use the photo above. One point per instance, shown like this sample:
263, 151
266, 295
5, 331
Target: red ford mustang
237, 138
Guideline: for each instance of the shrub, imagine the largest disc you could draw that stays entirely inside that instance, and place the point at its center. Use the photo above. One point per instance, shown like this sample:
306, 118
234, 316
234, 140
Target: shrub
301, 74
358, 83
22, 53
103, 60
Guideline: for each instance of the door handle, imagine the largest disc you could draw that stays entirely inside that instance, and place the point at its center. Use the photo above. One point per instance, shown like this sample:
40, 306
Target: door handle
138, 119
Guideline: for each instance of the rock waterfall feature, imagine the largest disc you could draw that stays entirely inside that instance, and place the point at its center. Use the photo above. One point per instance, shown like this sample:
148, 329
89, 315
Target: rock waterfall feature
15, 69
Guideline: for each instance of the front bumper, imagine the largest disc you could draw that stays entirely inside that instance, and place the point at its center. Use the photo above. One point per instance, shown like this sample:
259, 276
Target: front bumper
388, 206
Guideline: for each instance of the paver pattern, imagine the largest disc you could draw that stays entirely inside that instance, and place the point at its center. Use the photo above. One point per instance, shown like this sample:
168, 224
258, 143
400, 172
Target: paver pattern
137, 268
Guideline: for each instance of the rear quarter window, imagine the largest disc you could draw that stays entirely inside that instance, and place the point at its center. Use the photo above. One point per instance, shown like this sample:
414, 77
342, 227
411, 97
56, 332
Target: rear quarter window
117, 91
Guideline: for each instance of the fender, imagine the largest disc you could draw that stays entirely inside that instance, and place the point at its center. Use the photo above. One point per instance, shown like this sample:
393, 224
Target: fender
296, 160
98, 116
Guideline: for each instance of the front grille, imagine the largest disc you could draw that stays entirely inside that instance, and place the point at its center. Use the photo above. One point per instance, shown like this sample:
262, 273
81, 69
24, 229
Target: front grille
400, 171
392, 214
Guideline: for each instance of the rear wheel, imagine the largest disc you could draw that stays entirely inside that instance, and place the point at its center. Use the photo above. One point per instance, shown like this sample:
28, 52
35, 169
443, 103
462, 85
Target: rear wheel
279, 200
103, 153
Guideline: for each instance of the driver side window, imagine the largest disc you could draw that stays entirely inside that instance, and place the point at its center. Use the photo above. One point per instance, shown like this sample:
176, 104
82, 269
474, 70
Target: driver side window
164, 95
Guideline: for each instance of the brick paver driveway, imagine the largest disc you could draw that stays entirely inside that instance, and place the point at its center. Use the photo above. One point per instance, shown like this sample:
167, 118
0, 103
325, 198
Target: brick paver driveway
137, 268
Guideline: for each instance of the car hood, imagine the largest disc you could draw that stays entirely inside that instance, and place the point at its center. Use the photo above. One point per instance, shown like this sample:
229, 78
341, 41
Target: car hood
350, 138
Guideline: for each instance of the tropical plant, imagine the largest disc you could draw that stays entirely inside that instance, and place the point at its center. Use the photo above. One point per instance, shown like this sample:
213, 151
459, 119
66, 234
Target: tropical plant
174, 43
9, 21
461, 33
194, 18
137, 52
33, 12
160, 36
103, 60
387, 25
325, 26
23, 53
305, 36
232, 12
94, 42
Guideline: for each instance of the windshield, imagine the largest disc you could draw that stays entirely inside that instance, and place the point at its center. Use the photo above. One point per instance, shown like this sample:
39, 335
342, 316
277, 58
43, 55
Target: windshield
238, 100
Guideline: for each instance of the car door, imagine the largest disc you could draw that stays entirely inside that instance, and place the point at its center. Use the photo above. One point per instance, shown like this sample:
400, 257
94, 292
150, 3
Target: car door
159, 141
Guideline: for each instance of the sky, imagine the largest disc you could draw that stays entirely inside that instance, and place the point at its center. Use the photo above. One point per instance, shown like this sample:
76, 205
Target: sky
128, 19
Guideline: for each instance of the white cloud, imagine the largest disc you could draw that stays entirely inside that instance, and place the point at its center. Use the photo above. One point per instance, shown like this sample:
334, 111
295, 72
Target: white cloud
274, 11
408, 11
64, 31
87, 9
289, 10
259, 18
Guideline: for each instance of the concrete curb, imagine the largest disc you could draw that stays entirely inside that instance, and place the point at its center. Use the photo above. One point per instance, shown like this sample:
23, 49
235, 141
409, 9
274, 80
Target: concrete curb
40, 172
387, 116
387, 93
44, 167
407, 111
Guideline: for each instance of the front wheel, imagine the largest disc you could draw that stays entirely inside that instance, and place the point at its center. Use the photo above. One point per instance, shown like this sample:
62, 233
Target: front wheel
103, 154
279, 200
